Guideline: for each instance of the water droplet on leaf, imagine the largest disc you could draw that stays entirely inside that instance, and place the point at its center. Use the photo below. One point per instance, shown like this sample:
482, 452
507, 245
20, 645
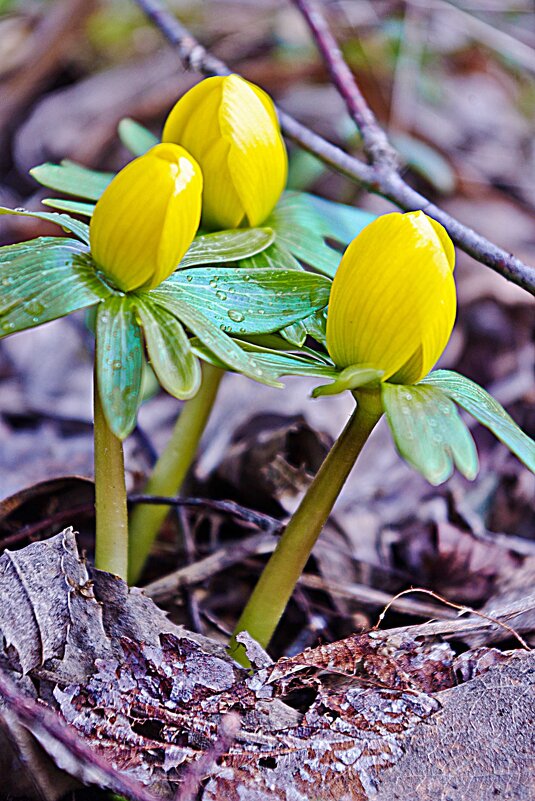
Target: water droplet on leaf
235, 315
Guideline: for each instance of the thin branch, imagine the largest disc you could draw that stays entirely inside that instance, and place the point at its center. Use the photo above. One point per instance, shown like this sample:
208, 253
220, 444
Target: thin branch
462, 610
376, 145
389, 182
231, 508
373, 177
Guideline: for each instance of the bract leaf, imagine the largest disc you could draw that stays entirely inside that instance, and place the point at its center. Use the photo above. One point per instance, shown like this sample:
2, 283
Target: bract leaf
278, 362
73, 179
252, 302
176, 367
316, 326
429, 432
339, 221
44, 279
211, 335
274, 257
119, 363
80, 229
298, 227
487, 411
224, 246
72, 206
135, 137
295, 334
350, 378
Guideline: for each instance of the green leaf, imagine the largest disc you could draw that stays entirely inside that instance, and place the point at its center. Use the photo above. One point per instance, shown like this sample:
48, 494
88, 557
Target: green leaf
475, 400
316, 326
135, 137
119, 363
279, 363
349, 378
275, 257
44, 279
339, 221
217, 342
249, 302
428, 431
295, 334
226, 246
299, 228
176, 367
80, 229
72, 206
275, 343
72, 179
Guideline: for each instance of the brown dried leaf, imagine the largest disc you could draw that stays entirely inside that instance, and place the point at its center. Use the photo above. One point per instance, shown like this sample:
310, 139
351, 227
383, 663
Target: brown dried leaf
148, 702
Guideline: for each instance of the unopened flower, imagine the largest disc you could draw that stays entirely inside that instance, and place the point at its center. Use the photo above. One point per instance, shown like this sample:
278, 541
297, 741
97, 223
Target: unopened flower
393, 299
230, 126
147, 218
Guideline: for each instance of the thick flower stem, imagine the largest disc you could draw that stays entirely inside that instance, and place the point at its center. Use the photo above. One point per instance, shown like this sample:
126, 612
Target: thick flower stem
111, 541
170, 470
275, 586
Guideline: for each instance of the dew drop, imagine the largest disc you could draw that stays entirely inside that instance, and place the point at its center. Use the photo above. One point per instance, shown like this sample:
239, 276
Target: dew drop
116, 364
246, 277
235, 315
221, 295
408, 396
213, 283
189, 278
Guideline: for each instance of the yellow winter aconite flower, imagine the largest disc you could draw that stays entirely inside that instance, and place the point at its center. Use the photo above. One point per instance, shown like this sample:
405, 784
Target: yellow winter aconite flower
147, 218
393, 298
230, 126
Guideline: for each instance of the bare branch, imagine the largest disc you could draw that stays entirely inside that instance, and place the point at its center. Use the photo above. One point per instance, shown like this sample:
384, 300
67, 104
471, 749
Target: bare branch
376, 144
379, 177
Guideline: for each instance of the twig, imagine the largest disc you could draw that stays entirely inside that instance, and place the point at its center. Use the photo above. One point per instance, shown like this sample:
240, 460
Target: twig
41, 720
374, 177
258, 519
260, 544
452, 627
374, 140
219, 560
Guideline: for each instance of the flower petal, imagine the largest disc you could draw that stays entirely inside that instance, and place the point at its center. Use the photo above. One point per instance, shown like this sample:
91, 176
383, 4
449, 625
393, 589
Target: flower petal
393, 298
231, 128
257, 159
147, 217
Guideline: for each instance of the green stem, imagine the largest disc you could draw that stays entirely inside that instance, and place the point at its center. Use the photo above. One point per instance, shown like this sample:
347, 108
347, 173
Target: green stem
170, 470
275, 586
111, 539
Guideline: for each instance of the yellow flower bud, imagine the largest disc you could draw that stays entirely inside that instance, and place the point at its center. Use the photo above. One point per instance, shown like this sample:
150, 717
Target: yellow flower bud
230, 126
147, 218
393, 298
